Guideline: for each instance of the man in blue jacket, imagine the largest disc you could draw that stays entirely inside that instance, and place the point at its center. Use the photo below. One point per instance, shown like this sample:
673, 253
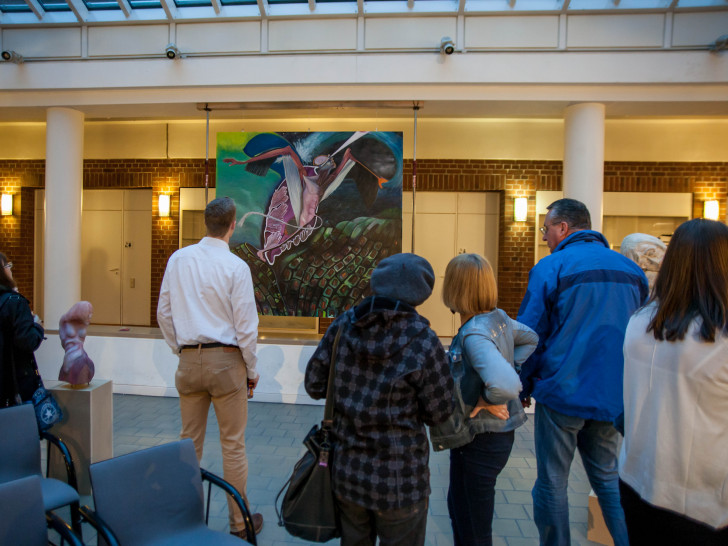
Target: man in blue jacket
579, 300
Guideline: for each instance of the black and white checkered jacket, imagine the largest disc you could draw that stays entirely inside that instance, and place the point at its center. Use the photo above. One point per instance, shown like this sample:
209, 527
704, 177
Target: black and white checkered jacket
392, 379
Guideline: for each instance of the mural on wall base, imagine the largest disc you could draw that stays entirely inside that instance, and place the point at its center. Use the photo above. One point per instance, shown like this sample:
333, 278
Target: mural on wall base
316, 212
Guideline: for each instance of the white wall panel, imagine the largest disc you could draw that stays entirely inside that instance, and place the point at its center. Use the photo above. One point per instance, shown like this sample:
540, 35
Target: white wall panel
323, 34
43, 42
127, 40
512, 32
235, 37
698, 29
125, 140
594, 31
666, 140
407, 32
22, 141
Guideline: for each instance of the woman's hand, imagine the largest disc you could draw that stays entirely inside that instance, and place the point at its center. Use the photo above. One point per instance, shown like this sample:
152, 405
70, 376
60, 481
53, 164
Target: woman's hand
500, 410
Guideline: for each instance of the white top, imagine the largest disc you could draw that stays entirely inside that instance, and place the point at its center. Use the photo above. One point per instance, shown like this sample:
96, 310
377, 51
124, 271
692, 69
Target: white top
207, 297
676, 421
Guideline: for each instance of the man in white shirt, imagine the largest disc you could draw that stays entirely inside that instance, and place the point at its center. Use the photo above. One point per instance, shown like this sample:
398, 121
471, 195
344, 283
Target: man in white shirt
208, 316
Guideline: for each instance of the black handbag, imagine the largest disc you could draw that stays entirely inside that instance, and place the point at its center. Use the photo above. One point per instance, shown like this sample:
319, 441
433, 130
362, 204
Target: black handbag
309, 509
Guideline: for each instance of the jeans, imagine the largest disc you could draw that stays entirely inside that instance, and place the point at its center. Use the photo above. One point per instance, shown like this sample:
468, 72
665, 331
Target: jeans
648, 524
219, 376
557, 436
399, 527
474, 468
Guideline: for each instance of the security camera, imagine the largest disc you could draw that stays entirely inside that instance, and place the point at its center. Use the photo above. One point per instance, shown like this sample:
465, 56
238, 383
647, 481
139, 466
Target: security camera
447, 46
172, 52
12, 56
719, 45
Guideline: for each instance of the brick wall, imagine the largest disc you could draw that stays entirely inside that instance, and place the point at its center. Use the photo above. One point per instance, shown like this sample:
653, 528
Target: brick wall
510, 177
524, 178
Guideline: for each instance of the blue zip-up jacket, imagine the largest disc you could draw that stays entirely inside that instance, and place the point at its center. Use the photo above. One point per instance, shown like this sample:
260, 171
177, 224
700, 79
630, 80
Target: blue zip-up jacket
579, 300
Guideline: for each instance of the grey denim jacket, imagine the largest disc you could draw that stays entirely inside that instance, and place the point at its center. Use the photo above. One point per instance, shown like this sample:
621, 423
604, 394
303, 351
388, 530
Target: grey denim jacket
484, 358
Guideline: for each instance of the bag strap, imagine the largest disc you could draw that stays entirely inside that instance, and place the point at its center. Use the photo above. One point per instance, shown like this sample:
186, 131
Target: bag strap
330, 390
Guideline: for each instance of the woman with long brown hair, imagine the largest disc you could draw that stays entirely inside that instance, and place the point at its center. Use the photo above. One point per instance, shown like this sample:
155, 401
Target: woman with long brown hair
673, 475
20, 335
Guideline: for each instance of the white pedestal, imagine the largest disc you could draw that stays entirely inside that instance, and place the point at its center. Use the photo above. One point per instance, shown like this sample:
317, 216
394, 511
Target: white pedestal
87, 427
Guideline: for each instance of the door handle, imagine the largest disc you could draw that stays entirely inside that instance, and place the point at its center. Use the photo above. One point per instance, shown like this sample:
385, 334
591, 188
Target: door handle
116, 269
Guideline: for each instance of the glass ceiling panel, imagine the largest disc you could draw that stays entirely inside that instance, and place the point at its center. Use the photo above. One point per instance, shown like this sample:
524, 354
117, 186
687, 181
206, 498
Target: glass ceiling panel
142, 4
192, 3
238, 2
13, 6
101, 4
288, 1
54, 5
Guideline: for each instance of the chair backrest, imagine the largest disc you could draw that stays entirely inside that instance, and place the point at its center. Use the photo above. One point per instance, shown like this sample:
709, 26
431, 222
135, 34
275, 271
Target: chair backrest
23, 516
150, 493
19, 443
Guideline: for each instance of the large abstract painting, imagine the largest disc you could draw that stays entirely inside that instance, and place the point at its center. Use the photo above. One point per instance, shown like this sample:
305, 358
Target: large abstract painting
316, 211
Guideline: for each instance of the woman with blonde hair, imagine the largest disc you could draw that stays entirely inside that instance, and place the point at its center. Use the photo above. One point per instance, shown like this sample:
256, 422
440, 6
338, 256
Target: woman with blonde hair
483, 359
672, 470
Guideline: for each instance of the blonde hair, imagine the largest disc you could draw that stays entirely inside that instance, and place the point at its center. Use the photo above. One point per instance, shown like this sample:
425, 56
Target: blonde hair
469, 286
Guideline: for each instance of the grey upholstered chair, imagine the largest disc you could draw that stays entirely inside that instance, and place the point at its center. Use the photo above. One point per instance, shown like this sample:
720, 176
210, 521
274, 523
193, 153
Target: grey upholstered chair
155, 497
20, 458
24, 519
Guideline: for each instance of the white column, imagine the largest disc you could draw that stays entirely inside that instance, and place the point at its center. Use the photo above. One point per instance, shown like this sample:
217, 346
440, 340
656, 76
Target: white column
584, 157
63, 195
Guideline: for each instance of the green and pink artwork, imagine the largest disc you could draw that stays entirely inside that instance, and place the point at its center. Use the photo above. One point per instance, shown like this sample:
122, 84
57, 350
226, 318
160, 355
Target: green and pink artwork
316, 211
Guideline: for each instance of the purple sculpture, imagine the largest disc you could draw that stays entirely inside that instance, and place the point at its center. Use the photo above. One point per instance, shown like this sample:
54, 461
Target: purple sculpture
77, 369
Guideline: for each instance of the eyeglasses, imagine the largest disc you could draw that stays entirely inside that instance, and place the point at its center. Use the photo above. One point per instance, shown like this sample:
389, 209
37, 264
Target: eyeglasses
545, 228
8, 265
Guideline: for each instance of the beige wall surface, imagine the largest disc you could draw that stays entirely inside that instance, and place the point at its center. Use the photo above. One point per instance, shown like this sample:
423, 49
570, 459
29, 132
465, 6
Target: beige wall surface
626, 140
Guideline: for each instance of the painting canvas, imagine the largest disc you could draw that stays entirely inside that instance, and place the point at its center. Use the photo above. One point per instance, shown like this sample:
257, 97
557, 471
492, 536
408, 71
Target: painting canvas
316, 212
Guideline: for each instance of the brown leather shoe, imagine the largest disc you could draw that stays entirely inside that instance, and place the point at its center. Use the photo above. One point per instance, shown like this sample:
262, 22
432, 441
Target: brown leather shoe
257, 526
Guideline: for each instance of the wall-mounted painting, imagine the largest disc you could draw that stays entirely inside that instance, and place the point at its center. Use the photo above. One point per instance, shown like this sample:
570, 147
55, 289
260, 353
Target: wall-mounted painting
316, 211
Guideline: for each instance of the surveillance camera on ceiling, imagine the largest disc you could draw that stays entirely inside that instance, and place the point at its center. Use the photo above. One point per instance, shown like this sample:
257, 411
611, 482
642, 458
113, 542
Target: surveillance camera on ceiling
720, 44
447, 46
12, 56
172, 52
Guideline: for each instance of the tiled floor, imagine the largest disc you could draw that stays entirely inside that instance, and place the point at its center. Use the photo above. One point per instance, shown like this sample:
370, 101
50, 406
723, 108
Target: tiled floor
273, 439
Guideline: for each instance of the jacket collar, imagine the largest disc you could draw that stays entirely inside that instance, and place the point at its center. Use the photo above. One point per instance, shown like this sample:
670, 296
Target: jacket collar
583, 236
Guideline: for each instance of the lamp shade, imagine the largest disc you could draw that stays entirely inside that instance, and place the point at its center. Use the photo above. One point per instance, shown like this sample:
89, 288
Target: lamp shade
711, 210
164, 204
6, 204
520, 209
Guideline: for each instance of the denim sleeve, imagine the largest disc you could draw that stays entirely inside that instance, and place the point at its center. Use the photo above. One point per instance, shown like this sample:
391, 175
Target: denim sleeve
525, 341
501, 380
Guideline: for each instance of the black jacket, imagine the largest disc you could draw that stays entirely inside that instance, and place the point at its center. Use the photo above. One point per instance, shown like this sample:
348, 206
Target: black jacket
20, 335
392, 379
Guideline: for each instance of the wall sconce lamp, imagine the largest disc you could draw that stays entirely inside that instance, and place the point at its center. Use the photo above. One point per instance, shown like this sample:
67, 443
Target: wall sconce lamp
164, 204
12, 57
711, 210
520, 209
6, 204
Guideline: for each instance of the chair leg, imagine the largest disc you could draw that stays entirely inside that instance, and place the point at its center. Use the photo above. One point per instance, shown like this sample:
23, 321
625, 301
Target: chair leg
76, 519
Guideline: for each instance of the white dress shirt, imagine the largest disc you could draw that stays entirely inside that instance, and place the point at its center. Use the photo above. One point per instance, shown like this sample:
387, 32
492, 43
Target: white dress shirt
675, 432
207, 297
